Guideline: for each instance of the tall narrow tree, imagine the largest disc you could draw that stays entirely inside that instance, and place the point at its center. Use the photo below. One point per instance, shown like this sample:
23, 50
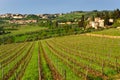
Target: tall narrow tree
106, 18
81, 23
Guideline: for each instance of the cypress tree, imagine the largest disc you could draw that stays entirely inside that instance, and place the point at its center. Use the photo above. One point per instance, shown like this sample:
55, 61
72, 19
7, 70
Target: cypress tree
106, 18
81, 23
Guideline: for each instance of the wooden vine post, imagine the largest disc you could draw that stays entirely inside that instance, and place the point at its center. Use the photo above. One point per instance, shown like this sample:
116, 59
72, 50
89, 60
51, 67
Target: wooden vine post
116, 63
2, 73
65, 75
86, 74
103, 67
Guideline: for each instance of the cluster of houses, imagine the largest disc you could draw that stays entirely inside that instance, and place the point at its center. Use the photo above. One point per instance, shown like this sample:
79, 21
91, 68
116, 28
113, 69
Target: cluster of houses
47, 16
18, 19
22, 21
15, 16
98, 22
21, 16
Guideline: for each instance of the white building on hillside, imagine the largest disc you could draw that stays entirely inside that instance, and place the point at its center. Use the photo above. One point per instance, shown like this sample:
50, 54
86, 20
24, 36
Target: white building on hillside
98, 22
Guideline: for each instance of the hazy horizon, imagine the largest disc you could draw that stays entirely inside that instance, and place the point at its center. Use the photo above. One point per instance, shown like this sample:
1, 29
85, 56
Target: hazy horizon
53, 6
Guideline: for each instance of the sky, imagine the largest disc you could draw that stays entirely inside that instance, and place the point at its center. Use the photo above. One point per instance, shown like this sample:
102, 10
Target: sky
55, 6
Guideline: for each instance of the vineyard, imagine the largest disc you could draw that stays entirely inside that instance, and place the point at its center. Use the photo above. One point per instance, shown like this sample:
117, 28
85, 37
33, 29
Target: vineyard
75, 57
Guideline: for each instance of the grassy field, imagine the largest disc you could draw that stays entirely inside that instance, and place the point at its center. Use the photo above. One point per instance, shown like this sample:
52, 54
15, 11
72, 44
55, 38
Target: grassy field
70, 16
100, 49
111, 31
77, 57
27, 28
23, 29
75, 15
31, 72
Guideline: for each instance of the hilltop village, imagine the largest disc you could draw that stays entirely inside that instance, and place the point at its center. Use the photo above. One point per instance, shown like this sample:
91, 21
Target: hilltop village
26, 18
22, 19
72, 21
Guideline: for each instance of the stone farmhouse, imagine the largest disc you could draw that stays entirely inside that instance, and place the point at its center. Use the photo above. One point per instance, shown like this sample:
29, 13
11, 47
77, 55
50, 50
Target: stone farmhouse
98, 22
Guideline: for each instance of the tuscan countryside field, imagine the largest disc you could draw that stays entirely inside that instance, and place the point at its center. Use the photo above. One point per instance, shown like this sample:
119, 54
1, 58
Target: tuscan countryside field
59, 40
78, 57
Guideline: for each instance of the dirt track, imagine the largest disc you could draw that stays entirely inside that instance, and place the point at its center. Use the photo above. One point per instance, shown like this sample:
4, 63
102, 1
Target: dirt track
101, 35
